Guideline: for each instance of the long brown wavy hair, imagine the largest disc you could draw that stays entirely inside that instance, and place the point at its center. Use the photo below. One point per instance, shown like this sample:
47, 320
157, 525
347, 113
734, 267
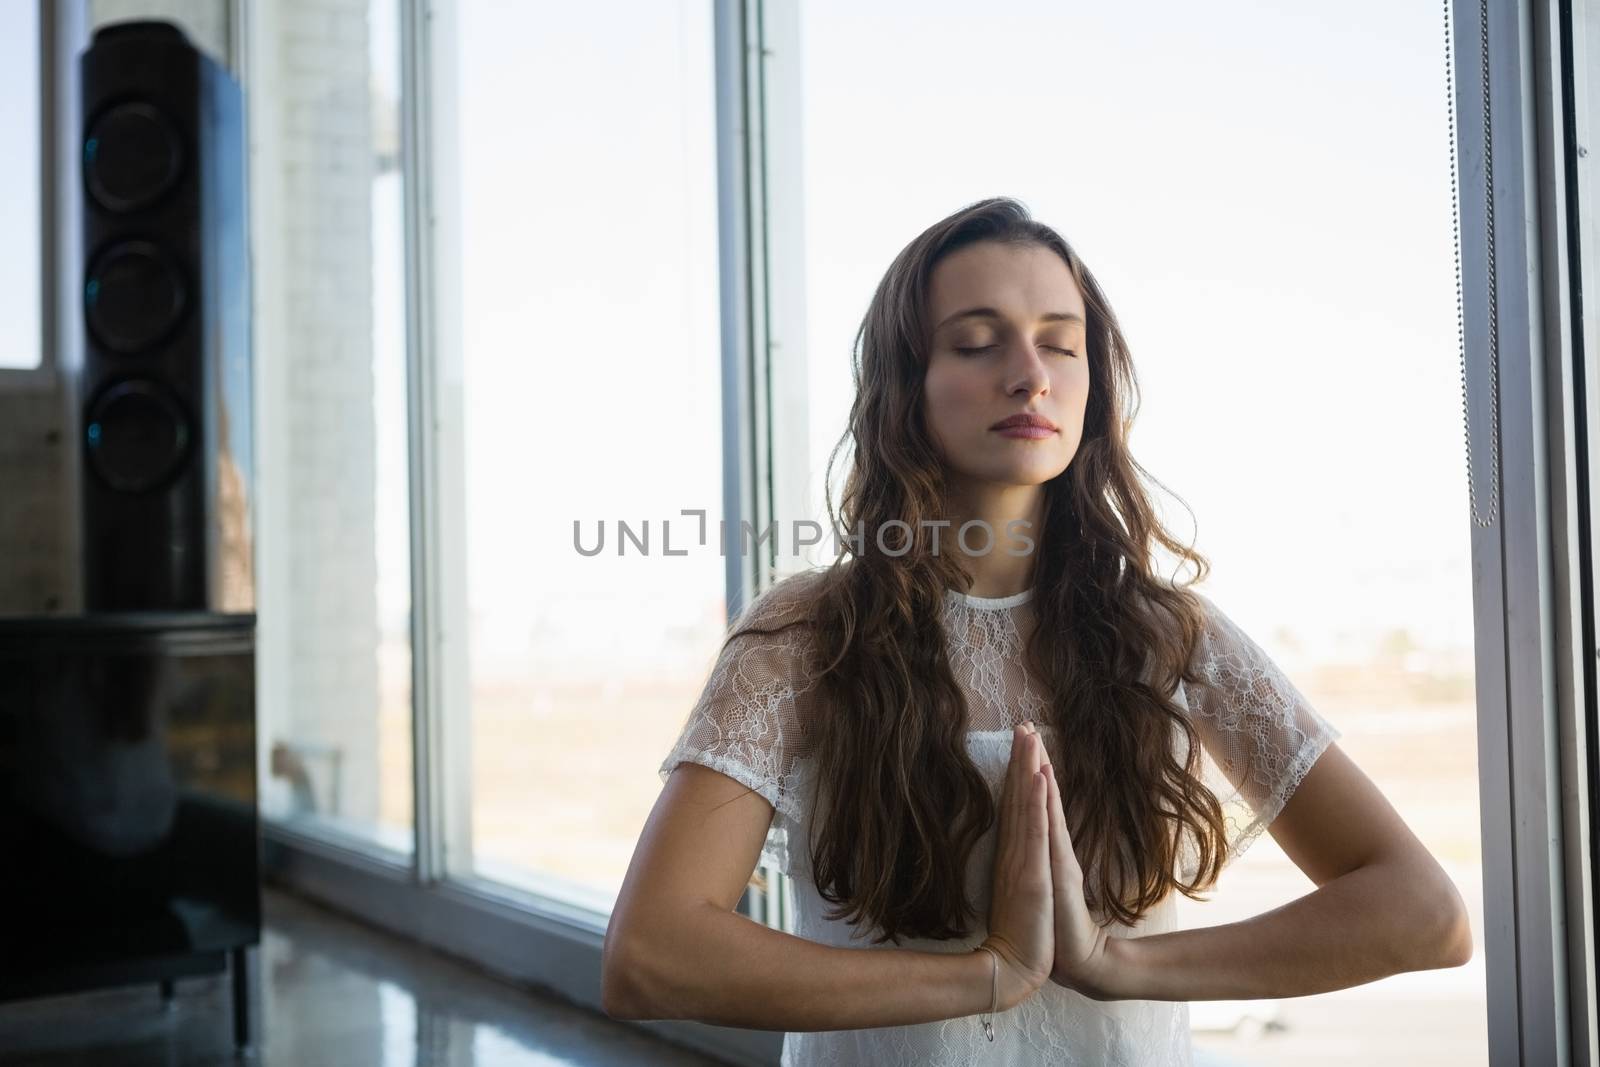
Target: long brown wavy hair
900, 803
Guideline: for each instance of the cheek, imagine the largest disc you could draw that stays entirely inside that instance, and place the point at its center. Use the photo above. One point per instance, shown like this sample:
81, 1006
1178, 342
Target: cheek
1072, 382
946, 395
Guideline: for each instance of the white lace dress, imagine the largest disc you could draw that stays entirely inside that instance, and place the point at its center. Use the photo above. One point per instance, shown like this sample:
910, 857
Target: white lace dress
1260, 734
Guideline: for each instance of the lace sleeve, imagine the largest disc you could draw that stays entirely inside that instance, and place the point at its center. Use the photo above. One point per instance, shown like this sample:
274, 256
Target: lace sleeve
1260, 731
747, 725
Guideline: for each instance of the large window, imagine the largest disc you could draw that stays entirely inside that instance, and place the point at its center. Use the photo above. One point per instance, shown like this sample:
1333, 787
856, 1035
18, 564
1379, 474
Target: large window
21, 263
1272, 225
335, 617
591, 388
584, 268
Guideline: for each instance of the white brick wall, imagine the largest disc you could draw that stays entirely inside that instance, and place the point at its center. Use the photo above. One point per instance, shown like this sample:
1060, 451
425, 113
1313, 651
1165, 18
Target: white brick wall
312, 168
32, 509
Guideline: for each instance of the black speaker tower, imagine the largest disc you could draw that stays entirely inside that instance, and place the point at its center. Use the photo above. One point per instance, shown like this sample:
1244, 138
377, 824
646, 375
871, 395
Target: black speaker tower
165, 387
129, 821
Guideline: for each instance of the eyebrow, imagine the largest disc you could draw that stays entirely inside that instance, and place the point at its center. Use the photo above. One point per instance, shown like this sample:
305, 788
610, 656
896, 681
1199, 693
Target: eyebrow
991, 313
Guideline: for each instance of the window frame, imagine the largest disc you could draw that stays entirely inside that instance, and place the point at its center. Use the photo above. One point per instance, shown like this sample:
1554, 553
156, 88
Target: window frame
1533, 587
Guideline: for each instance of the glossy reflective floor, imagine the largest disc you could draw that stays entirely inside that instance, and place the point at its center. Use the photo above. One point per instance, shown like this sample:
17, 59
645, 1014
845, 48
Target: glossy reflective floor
332, 993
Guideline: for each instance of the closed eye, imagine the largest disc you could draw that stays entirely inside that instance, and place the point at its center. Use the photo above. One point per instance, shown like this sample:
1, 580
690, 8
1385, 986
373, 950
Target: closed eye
985, 348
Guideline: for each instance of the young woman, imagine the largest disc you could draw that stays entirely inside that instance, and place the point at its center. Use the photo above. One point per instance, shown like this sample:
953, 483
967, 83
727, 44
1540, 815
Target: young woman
988, 763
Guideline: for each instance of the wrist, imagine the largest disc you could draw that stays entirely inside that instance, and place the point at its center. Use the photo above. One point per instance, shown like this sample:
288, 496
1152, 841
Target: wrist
1008, 983
1118, 979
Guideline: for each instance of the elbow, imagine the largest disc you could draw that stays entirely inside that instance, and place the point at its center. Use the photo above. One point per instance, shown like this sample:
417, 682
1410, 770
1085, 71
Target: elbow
1451, 944
616, 1001
620, 1009
1430, 927
1457, 951
620, 994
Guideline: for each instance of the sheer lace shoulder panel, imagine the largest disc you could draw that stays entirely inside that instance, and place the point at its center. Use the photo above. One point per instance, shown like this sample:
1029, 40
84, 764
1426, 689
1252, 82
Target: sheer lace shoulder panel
749, 720
1259, 729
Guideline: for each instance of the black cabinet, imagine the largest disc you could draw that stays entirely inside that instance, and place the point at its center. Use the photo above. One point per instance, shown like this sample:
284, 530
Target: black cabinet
129, 826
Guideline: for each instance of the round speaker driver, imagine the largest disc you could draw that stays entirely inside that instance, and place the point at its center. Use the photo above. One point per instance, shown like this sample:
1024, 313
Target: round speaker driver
132, 154
137, 436
133, 297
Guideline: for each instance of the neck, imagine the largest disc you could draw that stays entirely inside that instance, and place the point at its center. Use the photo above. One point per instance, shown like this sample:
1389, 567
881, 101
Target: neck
1001, 566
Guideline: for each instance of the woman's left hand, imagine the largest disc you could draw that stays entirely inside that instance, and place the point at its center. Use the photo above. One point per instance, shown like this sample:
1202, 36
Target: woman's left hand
1082, 961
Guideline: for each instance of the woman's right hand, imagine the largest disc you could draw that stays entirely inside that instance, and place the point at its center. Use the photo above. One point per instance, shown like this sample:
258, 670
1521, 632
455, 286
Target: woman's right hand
1022, 904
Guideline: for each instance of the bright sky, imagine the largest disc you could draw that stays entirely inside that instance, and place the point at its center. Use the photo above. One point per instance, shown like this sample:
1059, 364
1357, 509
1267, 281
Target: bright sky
1272, 222
1270, 217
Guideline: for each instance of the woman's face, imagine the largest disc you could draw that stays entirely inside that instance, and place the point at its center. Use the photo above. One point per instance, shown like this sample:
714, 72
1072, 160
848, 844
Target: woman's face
1000, 350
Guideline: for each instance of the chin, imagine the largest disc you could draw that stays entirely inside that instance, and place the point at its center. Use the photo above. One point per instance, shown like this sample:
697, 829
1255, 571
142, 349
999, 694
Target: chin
1023, 476
1010, 471
1038, 471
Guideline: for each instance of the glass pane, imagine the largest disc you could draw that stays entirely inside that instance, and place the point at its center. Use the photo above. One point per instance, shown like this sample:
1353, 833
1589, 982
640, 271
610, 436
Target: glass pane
331, 363
20, 341
1229, 175
592, 388
1584, 76
204, 22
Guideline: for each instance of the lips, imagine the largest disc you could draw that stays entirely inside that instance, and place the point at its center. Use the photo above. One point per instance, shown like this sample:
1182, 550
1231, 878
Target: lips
1024, 419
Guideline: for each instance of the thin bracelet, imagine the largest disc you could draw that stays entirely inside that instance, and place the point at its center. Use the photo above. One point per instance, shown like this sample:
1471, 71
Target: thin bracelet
994, 994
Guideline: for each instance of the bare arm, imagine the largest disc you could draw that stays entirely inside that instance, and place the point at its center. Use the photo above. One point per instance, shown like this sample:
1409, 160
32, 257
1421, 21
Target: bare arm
723, 968
1359, 928
1383, 906
676, 949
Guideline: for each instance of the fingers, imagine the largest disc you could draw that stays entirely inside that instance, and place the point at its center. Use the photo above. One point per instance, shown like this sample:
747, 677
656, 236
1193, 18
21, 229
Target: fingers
1053, 815
1019, 772
1018, 801
1013, 792
1025, 759
1024, 802
1039, 813
1062, 857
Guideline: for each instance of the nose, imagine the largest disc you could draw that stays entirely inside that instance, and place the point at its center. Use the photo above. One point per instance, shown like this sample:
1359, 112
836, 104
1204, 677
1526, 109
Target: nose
1027, 375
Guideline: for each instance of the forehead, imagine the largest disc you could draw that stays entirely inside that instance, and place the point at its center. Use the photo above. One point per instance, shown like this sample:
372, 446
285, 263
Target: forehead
1019, 280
